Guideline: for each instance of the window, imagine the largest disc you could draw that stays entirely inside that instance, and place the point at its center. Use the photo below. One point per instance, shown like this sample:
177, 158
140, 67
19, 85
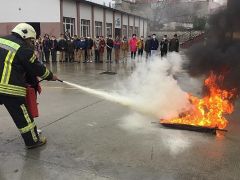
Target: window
98, 28
69, 25
130, 31
136, 31
85, 28
109, 29
124, 31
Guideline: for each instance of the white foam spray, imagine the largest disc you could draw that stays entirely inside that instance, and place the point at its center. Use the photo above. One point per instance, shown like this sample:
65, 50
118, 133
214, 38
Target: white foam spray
117, 98
150, 90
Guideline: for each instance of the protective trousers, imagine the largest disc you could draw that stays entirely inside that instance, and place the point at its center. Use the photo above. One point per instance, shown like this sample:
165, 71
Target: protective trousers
17, 108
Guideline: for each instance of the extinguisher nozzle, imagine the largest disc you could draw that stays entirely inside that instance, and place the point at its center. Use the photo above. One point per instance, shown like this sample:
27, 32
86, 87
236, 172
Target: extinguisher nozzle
60, 80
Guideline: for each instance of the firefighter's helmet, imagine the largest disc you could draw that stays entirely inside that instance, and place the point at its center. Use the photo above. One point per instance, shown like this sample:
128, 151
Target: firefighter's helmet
25, 31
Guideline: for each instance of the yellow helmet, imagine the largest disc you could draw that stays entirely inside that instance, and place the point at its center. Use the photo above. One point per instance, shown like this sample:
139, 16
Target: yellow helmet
25, 31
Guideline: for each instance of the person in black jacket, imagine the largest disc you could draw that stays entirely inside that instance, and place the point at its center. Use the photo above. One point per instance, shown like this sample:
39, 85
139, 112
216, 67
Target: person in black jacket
46, 47
109, 46
75, 42
147, 47
154, 44
174, 44
89, 49
62, 47
70, 50
164, 46
53, 45
17, 58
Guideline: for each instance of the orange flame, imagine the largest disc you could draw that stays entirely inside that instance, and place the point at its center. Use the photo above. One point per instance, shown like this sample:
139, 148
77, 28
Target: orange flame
208, 111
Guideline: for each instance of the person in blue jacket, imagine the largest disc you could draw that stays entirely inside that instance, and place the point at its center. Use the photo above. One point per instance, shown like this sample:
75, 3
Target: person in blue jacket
81, 46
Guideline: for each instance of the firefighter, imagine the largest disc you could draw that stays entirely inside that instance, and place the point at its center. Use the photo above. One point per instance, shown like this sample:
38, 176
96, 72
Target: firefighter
17, 58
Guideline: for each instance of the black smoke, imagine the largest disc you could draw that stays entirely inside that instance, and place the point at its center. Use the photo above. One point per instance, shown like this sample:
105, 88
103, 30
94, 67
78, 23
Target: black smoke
220, 51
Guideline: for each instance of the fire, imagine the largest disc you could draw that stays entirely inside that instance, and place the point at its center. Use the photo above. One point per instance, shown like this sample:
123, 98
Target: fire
208, 111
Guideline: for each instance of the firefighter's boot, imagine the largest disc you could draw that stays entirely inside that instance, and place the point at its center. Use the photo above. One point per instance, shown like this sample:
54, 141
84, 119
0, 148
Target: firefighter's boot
42, 140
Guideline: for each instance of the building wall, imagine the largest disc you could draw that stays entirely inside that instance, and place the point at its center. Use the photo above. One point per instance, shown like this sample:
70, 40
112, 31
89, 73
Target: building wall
85, 12
145, 29
13, 12
29, 11
141, 28
109, 19
69, 10
50, 21
125, 19
109, 16
98, 14
50, 28
131, 20
125, 22
136, 22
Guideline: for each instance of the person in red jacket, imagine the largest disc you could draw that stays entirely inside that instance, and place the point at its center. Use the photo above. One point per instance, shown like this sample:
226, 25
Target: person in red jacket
133, 46
133, 49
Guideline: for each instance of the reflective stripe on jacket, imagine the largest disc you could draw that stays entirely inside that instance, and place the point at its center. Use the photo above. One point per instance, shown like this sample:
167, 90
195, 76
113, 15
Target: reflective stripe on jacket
17, 59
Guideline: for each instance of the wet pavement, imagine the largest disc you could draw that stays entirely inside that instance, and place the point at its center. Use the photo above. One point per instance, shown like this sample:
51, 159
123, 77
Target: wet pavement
90, 138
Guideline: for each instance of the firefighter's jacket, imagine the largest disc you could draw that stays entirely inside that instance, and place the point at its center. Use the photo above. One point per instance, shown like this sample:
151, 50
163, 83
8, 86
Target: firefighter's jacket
17, 59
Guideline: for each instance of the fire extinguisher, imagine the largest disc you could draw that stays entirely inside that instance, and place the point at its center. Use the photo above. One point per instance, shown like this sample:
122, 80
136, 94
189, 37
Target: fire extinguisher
31, 99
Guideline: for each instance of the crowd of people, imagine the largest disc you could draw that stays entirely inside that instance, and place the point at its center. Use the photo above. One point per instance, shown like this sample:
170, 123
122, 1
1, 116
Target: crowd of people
88, 50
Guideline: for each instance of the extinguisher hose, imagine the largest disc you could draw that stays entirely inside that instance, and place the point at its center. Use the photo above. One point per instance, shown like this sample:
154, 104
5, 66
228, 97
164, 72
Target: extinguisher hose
57, 80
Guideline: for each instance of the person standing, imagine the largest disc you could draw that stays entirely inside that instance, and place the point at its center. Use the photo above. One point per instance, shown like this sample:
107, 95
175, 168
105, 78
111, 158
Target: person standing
38, 49
53, 45
117, 46
133, 46
81, 46
70, 50
125, 49
174, 44
46, 47
86, 51
102, 45
147, 47
164, 46
96, 49
75, 42
109, 46
89, 49
13, 72
62, 47
133, 49
154, 44
140, 46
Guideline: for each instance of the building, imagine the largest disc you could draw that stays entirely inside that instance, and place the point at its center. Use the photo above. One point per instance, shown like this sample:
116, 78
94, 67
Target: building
79, 17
